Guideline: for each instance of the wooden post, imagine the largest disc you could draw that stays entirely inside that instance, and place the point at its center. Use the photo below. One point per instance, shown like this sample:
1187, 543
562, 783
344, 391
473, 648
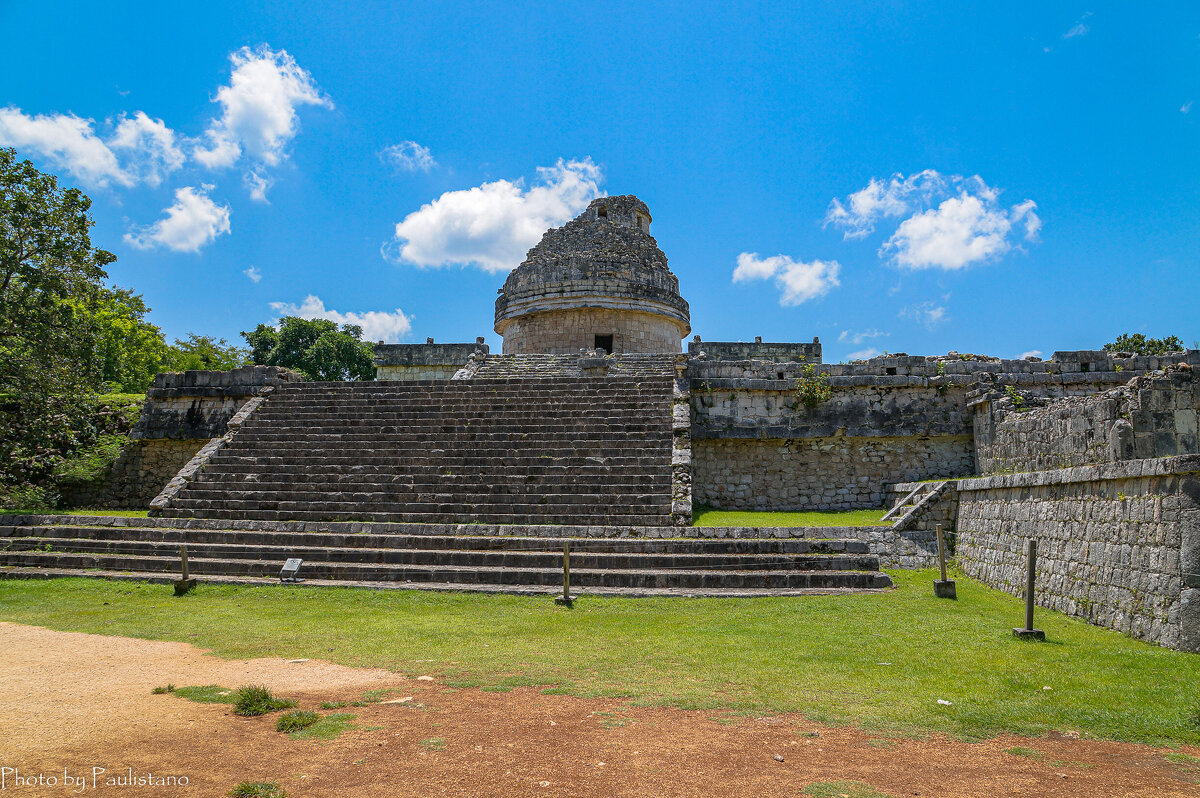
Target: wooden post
943, 588
185, 583
1029, 633
565, 599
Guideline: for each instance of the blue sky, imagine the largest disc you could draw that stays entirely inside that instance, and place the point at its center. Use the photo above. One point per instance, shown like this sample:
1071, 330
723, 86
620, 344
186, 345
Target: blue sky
1000, 178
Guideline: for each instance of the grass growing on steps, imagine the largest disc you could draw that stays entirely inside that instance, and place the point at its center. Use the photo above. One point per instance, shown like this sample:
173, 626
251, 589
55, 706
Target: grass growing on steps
881, 661
115, 513
706, 516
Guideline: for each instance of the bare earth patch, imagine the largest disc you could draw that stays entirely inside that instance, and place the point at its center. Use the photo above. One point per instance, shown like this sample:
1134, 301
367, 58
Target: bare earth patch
77, 702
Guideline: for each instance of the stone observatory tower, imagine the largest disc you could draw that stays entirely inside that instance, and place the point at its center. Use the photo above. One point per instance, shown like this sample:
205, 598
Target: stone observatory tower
598, 282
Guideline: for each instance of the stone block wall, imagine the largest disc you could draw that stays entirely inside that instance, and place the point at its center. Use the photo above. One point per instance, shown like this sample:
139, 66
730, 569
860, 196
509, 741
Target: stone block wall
136, 477
773, 352
568, 331
836, 473
1118, 543
1152, 416
427, 361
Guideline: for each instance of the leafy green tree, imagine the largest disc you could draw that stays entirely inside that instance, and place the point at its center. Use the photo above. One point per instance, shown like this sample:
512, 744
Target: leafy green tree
128, 349
50, 278
1141, 345
204, 352
316, 348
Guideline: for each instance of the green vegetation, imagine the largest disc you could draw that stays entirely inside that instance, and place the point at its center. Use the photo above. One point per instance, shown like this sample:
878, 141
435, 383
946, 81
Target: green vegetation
1139, 344
27, 506
169, 688
317, 348
296, 720
434, 743
206, 694
258, 789
1028, 753
843, 789
204, 353
255, 699
707, 516
327, 728
880, 661
812, 387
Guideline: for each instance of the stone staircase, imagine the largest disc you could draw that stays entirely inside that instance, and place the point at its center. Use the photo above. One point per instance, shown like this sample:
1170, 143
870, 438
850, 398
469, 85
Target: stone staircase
500, 451
628, 561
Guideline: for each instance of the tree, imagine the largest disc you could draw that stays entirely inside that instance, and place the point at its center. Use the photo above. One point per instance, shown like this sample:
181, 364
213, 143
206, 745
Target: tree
1141, 345
203, 352
129, 350
314, 347
50, 277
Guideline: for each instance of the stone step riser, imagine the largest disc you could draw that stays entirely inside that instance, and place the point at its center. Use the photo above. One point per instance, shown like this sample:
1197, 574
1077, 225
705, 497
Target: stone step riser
498, 519
433, 541
580, 578
544, 557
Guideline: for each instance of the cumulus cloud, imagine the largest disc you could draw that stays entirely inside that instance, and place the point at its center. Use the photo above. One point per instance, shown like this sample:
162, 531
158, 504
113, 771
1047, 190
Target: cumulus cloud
376, 325
493, 225
191, 223
257, 184
1186, 107
952, 221
258, 108
139, 149
797, 281
928, 314
409, 156
1031, 353
253, 273
864, 354
851, 337
1080, 28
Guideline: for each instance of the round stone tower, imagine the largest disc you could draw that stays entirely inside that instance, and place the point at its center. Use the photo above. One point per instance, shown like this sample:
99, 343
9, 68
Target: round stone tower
598, 282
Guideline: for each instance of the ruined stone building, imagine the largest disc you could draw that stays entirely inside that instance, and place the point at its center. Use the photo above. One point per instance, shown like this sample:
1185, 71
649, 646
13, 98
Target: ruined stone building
594, 424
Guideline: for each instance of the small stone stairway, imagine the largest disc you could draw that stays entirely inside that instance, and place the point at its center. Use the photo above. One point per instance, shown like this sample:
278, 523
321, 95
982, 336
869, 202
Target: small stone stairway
518, 559
567, 450
909, 508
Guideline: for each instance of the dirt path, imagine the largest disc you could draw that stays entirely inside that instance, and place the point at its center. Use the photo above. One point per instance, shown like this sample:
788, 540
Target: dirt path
77, 702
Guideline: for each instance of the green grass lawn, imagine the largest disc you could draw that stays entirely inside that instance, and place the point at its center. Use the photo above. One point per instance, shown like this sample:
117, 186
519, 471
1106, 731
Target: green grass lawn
880, 661
706, 516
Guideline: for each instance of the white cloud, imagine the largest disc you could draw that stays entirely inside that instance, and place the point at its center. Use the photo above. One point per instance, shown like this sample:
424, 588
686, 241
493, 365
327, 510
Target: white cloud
850, 337
493, 225
257, 184
928, 314
953, 221
258, 108
409, 156
376, 325
864, 354
192, 222
1080, 28
1186, 107
150, 145
253, 273
1031, 353
798, 282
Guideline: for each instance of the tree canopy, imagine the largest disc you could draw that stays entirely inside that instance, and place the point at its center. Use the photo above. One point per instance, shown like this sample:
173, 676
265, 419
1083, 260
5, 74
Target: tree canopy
1139, 344
316, 348
204, 352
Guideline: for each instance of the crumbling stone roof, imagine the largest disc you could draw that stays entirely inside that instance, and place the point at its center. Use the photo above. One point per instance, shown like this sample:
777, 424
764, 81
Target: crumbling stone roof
606, 251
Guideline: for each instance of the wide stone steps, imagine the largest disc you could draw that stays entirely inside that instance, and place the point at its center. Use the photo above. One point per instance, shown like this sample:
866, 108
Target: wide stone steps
435, 556
571, 450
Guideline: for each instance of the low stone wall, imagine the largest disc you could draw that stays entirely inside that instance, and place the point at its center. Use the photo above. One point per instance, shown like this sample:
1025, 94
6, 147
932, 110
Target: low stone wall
1118, 544
771, 351
139, 473
427, 361
838, 473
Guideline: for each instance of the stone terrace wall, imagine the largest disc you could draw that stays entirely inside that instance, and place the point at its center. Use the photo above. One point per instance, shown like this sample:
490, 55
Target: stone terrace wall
182, 412
892, 419
1118, 544
773, 352
1152, 416
427, 361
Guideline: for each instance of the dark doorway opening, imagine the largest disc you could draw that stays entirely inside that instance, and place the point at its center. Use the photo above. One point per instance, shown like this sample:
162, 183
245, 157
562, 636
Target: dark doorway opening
604, 342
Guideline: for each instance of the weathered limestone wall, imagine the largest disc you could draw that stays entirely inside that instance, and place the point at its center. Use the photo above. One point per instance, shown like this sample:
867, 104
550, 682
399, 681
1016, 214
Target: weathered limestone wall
1152, 416
568, 331
837, 473
427, 361
136, 477
773, 352
1118, 544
